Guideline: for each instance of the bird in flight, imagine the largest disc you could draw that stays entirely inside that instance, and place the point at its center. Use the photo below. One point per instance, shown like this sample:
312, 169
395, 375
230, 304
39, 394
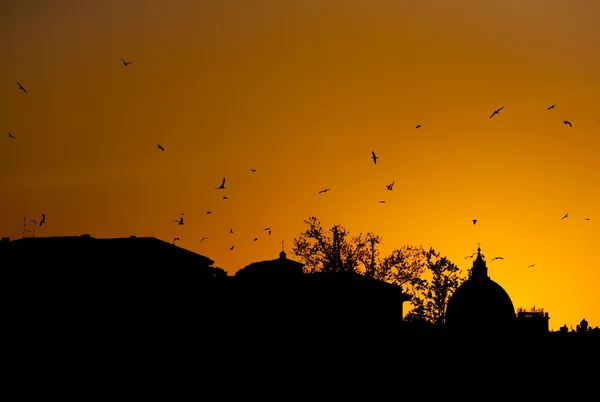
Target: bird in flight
222, 186
374, 157
497, 258
43, 219
225, 197
255, 239
324, 191
586, 219
474, 221
266, 229
390, 186
178, 221
125, 63
551, 107
470, 256
253, 170
160, 147
531, 266
382, 202
202, 239
568, 122
269, 232
208, 212
418, 126
231, 248
496, 112
566, 216
11, 136
21, 87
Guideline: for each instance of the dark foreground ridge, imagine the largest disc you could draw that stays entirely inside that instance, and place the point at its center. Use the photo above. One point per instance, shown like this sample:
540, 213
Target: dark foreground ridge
140, 293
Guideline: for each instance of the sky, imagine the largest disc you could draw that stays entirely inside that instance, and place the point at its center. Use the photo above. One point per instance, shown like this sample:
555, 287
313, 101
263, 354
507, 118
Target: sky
303, 91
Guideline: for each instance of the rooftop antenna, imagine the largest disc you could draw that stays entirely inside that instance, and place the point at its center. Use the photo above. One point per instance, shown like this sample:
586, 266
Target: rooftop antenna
282, 245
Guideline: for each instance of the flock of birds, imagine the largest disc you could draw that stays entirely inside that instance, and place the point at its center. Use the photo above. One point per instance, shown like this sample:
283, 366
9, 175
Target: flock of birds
374, 157
501, 258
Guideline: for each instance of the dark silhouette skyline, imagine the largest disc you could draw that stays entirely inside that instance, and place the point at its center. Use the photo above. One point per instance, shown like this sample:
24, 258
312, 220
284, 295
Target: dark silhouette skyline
336, 115
324, 301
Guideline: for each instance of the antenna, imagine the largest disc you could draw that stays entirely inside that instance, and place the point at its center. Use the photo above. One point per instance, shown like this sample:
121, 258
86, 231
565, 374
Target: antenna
24, 225
282, 245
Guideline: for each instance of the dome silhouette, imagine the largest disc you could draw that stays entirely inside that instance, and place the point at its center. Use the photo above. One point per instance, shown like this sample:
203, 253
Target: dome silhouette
479, 304
278, 268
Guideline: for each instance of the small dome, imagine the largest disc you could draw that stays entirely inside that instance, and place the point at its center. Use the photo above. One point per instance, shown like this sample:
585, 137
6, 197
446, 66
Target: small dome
271, 269
480, 304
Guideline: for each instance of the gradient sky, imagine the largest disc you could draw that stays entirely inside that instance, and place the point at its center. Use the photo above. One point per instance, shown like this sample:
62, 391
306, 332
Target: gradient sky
303, 91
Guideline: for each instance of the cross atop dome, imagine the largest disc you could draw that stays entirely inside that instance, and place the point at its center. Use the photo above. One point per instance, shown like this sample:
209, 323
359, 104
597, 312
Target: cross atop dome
479, 269
282, 255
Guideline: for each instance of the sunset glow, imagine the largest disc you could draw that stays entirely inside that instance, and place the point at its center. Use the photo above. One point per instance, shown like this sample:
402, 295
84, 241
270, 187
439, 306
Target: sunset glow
303, 91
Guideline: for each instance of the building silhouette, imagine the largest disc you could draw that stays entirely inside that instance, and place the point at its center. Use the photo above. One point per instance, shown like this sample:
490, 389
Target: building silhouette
84, 282
136, 282
532, 321
268, 270
480, 305
276, 294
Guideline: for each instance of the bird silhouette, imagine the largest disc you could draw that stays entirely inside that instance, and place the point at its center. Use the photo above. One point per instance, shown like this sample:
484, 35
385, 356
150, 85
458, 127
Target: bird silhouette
323, 191
202, 239
551, 107
418, 126
125, 63
225, 197
382, 202
160, 147
255, 239
21, 87
471, 256
208, 212
390, 186
586, 219
11, 136
266, 229
269, 232
222, 186
253, 170
531, 266
231, 231
231, 248
568, 122
497, 258
178, 221
474, 221
496, 112
566, 216
43, 219
374, 157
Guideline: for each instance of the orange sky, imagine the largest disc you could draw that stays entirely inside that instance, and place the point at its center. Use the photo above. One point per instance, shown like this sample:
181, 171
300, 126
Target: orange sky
303, 91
